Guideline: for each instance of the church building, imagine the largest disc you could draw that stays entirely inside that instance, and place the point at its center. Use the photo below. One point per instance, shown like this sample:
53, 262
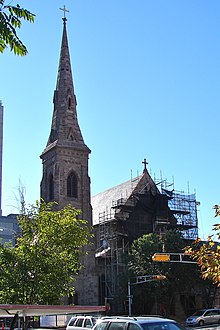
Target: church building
65, 167
128, 211
119, 215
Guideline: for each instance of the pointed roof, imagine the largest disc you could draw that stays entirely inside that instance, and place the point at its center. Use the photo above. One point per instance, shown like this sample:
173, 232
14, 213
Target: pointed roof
64, 70
65, 130
103, 202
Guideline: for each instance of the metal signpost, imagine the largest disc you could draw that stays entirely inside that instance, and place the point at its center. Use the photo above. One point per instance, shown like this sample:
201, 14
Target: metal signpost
140, 280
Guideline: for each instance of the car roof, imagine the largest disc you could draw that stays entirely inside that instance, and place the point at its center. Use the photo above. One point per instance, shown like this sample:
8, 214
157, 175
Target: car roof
207, 309
149, 318
139, 319
80, 316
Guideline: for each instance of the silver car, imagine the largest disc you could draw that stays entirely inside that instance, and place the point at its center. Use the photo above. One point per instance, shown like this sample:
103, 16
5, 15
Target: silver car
204, 317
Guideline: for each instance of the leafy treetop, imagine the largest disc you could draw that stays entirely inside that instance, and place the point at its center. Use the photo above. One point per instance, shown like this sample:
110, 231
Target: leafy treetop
11, 19
207, 254
42, 267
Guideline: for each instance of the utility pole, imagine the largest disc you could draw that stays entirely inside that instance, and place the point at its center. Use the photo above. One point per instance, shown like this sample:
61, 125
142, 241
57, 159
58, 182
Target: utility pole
129, 297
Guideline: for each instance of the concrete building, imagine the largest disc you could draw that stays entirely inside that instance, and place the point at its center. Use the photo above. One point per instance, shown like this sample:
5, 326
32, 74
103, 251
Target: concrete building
8, 224
8, 229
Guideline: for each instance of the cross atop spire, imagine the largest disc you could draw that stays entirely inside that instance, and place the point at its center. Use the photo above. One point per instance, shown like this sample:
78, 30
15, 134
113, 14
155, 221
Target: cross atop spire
65, 128
145, 165
64, 12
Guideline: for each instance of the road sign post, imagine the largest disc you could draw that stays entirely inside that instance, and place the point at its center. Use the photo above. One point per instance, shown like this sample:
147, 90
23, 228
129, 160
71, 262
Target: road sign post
140, 280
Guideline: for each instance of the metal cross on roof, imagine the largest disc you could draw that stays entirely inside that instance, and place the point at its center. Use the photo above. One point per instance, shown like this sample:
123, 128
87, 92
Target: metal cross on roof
64, 11
145, 164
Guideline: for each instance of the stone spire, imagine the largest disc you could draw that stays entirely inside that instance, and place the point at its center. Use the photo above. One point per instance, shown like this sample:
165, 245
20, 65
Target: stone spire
65, 177
65, 158
65, 130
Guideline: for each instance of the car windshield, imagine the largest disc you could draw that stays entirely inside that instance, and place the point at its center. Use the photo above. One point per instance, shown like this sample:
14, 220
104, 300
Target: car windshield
161, 326
199, 313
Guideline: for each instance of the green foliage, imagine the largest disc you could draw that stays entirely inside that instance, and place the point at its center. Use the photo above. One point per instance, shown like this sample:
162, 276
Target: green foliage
142, 249
7, 262
181, 278
41, 268
207, 254
173, 241
11, 19
139, 259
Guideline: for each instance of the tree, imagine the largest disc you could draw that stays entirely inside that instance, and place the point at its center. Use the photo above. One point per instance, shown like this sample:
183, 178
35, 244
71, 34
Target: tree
139, 259
181, 279
42, 266
207, 254
11, 19
139, 263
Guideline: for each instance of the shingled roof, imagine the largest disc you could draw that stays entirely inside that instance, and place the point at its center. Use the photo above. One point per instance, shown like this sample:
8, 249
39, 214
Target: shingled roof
104, 201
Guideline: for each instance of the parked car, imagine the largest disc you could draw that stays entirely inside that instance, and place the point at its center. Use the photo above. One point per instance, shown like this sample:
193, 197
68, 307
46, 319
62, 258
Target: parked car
137, 323
204, 317
81, 322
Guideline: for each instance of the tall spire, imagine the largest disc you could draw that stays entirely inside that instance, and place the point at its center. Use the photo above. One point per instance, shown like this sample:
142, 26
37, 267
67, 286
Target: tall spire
65, 129
65, 159
64, 71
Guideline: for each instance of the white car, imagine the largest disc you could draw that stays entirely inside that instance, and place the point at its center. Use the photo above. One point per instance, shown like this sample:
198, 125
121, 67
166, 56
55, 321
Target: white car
81, 322
137, 323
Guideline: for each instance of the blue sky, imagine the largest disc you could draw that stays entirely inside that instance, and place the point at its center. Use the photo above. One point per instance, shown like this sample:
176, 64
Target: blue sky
146, 76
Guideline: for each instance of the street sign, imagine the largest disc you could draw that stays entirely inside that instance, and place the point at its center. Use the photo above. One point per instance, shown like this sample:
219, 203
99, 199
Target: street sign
161, 257
173, 257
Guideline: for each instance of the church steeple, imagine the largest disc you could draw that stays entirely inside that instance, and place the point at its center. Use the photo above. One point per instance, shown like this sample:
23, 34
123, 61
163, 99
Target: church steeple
65, 167
65, 158
65, 129
64, 71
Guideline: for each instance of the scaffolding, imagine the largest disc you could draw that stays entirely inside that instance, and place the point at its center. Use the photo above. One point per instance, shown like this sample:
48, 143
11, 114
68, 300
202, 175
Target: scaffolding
180, 212
183, 207
113, 243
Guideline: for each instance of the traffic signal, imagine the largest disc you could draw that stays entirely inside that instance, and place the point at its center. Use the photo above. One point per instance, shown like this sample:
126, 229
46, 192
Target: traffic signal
159, 277
161, 257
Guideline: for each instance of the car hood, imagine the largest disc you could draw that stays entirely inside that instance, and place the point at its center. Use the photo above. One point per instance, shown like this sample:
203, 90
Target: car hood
193, 317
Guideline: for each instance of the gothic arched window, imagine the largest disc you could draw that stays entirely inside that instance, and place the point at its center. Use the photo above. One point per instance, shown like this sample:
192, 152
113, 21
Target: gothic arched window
72, 190
51, 188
